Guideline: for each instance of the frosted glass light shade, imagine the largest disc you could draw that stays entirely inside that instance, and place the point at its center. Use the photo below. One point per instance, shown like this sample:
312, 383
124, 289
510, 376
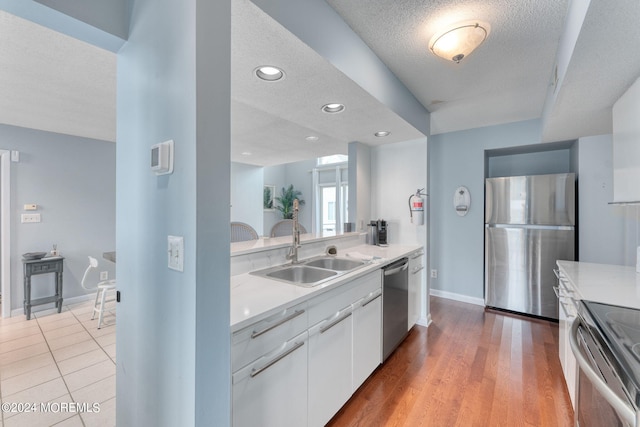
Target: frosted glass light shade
459, 42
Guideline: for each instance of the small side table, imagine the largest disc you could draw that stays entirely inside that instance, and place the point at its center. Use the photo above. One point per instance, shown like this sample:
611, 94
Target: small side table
42, 266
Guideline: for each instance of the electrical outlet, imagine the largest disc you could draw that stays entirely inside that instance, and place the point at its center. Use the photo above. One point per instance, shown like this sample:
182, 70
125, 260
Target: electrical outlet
434, 274
104, 275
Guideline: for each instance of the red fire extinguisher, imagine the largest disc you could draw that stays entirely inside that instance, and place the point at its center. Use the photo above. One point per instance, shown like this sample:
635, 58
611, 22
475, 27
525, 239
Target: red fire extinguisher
416, 207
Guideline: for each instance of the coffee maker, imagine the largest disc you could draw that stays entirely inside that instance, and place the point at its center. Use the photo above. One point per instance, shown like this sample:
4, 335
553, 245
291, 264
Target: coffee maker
378, 232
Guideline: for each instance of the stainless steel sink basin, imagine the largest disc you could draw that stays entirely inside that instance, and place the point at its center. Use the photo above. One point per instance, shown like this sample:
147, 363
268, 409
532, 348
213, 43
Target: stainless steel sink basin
337, 264
311, 272
301, 274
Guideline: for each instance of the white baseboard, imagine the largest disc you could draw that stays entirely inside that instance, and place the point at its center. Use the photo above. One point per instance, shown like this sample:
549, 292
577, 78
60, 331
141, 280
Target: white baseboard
51, 306
424, 321
457, 297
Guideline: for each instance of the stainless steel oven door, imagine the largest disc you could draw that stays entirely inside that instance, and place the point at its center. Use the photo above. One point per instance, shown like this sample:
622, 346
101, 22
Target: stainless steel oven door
601, 401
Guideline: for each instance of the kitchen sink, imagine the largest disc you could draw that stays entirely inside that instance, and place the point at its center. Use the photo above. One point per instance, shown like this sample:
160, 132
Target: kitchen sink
337, 264
301, 274
311, 272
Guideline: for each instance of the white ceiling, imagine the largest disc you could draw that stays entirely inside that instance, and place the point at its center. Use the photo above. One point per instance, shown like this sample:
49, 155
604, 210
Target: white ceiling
504, 80
271, 119
52, 82
507, 77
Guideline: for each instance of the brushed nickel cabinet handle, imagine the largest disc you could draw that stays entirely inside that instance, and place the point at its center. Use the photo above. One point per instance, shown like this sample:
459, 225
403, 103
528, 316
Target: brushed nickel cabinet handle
293, 315
334, 323
275, 360
369, 301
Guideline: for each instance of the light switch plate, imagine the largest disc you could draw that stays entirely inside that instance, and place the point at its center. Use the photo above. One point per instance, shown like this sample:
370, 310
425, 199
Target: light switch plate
29, 218
176, 252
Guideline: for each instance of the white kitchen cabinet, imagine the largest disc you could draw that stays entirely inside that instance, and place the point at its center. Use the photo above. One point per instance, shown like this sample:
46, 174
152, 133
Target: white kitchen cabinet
330, 366
567, 314
269, 366
345, 344
416, 270
272, 391
367, 336
626, 150
299, 366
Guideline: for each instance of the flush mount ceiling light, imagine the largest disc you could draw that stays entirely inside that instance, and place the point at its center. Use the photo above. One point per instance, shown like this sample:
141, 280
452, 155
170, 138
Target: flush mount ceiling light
382, 133
333, 108
269, 73
458, 42
246, 153
311, 138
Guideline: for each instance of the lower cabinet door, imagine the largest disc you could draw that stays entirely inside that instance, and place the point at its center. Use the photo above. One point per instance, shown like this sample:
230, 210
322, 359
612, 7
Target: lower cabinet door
272, 391
367, 337
415, 289
329, 366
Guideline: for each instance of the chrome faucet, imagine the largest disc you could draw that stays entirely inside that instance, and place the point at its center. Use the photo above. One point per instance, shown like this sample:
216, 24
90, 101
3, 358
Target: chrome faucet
293, 250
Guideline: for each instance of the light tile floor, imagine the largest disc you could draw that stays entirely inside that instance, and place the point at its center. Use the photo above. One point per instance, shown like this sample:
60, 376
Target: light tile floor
61, 363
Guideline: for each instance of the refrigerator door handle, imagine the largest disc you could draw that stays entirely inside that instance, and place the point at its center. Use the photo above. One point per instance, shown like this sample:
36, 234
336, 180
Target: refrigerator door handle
532, 226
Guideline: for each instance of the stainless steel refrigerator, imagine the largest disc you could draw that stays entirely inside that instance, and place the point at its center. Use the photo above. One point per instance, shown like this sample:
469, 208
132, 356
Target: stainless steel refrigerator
529, 224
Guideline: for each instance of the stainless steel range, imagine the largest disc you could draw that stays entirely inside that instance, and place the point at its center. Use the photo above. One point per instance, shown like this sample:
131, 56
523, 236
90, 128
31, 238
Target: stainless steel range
606, 341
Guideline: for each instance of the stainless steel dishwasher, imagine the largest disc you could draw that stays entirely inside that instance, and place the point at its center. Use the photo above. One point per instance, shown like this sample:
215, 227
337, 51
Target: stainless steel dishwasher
395, 305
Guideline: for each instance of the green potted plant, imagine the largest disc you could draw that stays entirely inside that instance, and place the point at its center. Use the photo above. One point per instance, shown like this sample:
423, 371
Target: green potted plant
285, 201
267, 197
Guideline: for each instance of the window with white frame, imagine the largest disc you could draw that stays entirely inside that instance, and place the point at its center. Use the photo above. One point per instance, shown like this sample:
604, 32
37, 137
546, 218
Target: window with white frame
331, 195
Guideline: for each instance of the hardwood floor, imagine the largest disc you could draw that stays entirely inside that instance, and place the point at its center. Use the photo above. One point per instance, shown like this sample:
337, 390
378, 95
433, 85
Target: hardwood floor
470, 368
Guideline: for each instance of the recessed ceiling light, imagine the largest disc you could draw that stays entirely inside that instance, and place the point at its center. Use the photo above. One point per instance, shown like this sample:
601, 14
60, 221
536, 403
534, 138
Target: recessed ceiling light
246, 153
269, 73
311, 138
382, 133
333, 108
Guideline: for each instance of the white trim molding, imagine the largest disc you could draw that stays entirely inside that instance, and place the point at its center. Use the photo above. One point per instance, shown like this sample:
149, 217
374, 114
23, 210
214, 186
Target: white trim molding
5, 231
457, 297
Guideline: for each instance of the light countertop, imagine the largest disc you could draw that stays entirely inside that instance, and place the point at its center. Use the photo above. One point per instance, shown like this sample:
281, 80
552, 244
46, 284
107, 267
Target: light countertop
605, 283
254, 297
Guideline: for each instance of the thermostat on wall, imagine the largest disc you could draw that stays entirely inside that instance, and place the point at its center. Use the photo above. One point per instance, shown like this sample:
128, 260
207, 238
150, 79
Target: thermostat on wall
162, 158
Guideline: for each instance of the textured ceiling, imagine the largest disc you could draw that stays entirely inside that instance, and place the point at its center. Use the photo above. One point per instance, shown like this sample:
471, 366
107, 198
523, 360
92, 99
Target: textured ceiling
53, 82
271, 119
507, 77
605, 62
504, 80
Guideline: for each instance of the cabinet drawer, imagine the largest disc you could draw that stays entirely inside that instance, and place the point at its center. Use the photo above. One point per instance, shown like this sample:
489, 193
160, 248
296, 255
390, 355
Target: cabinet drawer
333, 301
261, 337
272, 391
416, 256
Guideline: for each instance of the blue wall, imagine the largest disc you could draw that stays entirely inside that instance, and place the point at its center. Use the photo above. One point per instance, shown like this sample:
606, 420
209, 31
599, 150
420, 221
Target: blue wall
457, 243
247, 195
543, 162
72, 180
173, 327
602, 226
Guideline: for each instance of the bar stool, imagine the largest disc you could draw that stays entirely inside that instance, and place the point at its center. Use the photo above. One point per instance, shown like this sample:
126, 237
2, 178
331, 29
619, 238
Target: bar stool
101, 291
